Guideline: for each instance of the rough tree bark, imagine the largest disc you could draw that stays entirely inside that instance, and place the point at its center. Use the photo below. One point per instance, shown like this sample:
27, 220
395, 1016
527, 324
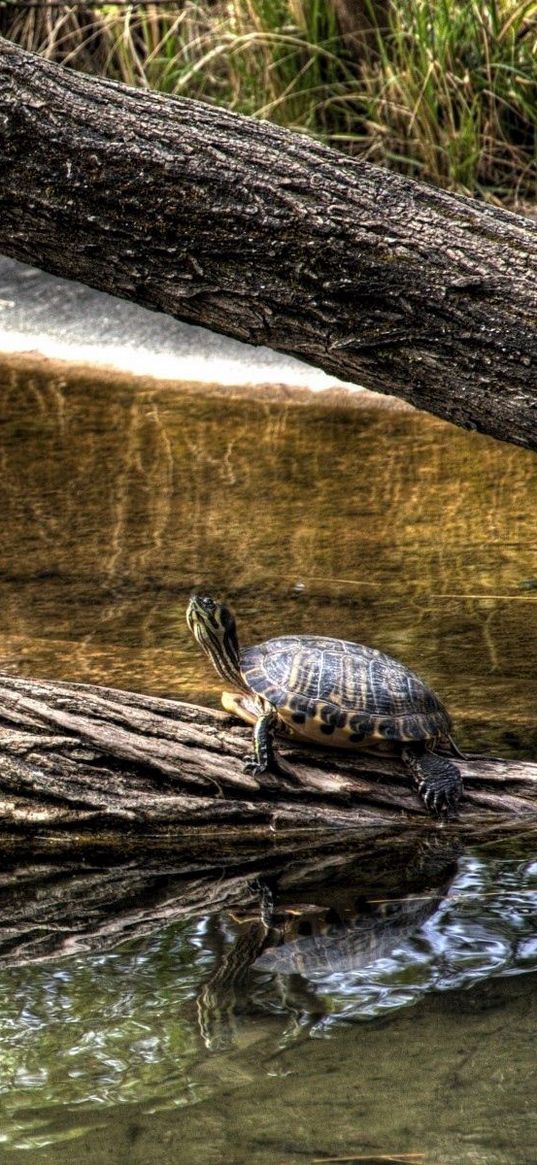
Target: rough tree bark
270, 237
95, 770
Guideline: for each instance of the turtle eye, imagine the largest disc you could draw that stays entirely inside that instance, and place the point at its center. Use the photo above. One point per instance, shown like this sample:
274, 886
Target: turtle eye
206, 605
201, 609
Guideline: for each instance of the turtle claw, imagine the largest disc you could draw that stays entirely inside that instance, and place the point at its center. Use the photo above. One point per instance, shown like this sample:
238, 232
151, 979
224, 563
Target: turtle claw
438, 782
253, 767
436, 802
271, 769
439, 785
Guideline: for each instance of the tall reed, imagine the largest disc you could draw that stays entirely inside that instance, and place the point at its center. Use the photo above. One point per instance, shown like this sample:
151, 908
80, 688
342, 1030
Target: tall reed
443, 90
450, 93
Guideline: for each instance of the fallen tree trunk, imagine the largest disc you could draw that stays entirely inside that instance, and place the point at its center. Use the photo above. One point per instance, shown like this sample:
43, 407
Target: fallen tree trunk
268, 236
105, 771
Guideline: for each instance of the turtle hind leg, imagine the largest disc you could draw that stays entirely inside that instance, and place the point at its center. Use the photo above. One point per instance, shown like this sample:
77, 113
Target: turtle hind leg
438, 780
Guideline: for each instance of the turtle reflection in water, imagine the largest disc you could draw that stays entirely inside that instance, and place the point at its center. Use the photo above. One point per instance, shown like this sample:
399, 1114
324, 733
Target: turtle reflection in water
297, 944
219, 999
333, 692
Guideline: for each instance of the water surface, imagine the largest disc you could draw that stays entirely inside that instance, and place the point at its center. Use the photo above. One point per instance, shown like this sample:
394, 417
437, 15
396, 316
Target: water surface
390, 528
386, 527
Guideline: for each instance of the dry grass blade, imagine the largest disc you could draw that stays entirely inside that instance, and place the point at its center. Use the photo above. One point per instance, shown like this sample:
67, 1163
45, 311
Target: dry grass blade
444, 92
373, 1158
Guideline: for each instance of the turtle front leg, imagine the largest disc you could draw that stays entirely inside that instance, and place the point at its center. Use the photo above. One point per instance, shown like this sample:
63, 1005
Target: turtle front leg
263, 759
264, 725
437, 780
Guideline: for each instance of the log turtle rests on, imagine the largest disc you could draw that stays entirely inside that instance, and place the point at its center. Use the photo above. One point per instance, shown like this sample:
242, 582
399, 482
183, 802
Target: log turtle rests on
331, 692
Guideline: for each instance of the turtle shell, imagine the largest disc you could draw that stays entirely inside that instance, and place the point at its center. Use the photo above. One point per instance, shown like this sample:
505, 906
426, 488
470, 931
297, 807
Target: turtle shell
341, 693
346, 945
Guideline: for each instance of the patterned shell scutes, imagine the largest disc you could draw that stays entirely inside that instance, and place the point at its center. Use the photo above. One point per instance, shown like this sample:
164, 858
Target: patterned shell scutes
344, 686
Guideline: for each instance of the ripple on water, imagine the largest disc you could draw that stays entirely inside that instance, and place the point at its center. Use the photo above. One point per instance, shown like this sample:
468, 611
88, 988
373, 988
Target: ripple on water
392, 529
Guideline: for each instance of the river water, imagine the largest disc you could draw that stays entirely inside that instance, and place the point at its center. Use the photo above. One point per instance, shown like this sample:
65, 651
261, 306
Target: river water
384, 526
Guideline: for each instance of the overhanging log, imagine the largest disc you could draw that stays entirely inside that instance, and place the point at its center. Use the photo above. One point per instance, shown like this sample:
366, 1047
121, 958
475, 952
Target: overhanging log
96, 769
270, 237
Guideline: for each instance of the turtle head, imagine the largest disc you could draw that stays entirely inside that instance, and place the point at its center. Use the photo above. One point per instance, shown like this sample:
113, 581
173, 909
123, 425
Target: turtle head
213, 626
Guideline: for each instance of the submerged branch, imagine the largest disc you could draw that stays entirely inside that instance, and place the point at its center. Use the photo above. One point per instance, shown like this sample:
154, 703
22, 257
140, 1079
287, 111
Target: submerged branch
89, 768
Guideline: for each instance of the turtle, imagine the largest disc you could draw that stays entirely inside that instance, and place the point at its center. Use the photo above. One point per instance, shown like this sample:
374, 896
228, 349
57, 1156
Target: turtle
330, 692
330, 942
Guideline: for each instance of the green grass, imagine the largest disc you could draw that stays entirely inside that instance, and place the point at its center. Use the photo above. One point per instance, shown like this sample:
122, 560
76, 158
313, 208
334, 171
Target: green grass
275, 59
451, 94
442, 90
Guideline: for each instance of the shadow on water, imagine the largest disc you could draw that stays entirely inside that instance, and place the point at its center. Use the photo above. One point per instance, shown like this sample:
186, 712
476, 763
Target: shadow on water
384, 1002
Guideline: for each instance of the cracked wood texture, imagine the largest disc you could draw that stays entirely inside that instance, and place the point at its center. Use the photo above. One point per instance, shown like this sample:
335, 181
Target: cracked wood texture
87, 768
267, 236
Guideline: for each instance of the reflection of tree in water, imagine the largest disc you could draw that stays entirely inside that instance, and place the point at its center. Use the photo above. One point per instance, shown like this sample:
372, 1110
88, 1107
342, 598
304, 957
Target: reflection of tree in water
152, 467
